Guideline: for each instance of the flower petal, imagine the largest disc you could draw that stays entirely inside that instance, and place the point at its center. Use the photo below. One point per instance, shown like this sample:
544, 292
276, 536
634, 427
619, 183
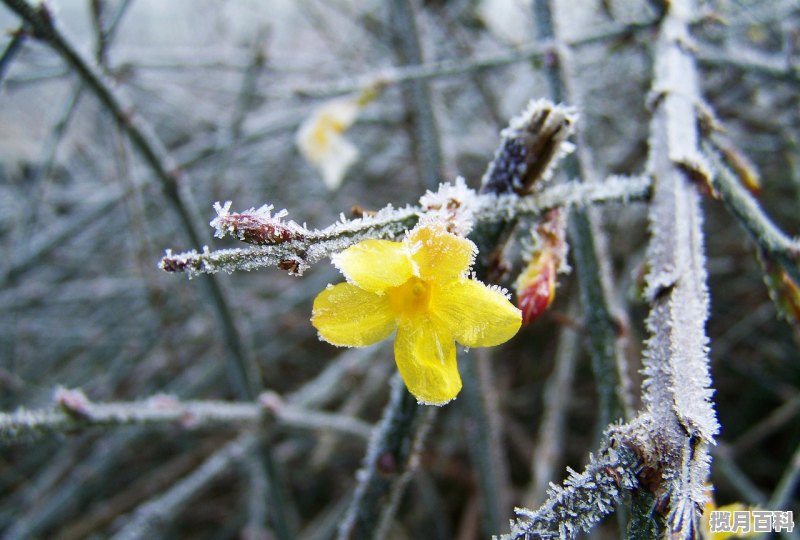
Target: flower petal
333, 166
375, 265
441, 255
348, 316
476, 315
426, 357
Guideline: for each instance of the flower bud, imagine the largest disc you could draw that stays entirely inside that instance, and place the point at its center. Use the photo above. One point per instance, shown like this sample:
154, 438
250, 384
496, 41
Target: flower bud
536, 286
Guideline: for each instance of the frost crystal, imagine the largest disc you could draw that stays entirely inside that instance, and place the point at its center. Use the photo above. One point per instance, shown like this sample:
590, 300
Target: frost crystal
255, 226
453, 205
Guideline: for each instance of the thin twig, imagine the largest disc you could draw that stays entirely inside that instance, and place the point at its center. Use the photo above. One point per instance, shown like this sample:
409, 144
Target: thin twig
750, 61
149, 518
12, 49
310, 246
450, 68
769, 238
482, 423
549, 449
605, 345
785, 490
77, 412
417, 93
391, 456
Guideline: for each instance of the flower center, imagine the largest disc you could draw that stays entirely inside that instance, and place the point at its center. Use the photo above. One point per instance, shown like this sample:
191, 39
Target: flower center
411, 298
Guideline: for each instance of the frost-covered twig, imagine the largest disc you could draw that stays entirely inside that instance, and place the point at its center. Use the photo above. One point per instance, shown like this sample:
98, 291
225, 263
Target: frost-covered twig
390, 459
417, 93
11, 50
550, 439
74, 411
771, 240
243, 371
450, 68
293, 247
677, 387
750, 60
155, 514
588, 247
585, 497
482, 423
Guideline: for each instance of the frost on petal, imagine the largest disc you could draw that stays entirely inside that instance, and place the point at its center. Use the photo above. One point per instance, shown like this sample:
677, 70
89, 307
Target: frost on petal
440, 255
321, 140
348, 316
476, 315
426, 358
375, 265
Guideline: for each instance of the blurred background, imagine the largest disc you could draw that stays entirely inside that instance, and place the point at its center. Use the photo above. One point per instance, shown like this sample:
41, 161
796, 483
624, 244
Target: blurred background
225, 87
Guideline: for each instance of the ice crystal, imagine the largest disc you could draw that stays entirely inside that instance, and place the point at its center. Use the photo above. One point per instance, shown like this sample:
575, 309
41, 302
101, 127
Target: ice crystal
453, 205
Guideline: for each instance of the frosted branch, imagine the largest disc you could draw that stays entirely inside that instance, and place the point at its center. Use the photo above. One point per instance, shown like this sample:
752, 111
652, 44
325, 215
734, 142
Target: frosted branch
676, 389
74, 411
770, 239
450, 68
390, 459
584, 498
150, 517
295, 248
243, 370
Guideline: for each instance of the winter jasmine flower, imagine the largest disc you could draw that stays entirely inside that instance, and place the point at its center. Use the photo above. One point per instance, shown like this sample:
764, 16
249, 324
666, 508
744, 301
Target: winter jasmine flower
419, 287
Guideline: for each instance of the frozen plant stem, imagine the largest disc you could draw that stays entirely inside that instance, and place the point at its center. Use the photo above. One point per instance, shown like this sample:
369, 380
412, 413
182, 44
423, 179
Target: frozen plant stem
390, 460
25, 423
452, 68
150, 518
676, 389
417, 93
768, 237
484, 433
11, 50
244, 372
604, 346
311, 246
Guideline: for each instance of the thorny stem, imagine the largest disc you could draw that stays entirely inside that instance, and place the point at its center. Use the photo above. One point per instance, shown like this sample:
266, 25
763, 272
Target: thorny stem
425, 139
297, 254
390, 459
244, 372
25, 423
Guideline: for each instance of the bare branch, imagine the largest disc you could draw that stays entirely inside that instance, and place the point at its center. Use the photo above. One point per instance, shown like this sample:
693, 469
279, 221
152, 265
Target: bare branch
75, 411
295, 248
390, 459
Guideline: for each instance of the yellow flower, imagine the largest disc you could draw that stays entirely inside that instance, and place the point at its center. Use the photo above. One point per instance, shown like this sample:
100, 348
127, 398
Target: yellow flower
321, 139
419, 287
